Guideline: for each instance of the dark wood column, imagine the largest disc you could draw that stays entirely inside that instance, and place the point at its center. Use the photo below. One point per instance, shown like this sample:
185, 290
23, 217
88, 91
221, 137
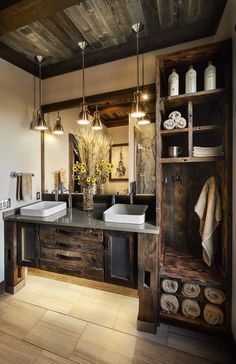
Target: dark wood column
148, 283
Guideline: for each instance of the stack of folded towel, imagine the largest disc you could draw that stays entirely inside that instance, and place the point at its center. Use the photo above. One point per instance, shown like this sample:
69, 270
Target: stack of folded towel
208, 151
213, 314
169, 303
191, 290
175, 120
214, 295
191, 308
169, 286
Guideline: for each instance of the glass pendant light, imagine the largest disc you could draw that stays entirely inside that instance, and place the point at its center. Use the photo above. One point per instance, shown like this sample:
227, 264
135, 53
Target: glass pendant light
40, 123
58, 128
144, 120
96, 123
137, 110
84, 117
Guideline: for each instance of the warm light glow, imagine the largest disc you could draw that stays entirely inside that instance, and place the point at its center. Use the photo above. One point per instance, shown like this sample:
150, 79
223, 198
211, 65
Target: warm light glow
40, 124
58, 132
137, 107
41, 127
83, 121
144, 121
145, 96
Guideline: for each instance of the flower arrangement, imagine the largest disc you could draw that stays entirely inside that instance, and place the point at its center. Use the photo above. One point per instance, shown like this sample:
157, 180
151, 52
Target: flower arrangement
102, 171
80, 175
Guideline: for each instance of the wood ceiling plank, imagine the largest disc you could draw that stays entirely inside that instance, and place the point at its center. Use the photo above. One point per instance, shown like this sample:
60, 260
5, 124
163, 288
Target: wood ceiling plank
151, 16
7, 3
136, 15
121, 17
164, 39
166, 13
27, 11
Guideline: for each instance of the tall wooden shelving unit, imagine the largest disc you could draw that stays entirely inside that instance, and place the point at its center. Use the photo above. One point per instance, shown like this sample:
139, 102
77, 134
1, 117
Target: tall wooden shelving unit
180, 180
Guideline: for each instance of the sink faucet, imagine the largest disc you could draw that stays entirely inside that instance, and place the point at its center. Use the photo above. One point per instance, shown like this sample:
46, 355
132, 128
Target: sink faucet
56, 193
113, 200
70, 200
132, 192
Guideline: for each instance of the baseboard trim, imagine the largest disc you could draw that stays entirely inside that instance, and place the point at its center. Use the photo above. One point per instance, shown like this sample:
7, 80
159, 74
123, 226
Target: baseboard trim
2, 287
232, 344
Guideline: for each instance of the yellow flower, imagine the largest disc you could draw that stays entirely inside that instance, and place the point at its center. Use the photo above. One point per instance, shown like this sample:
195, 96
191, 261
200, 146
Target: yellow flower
83, 170
108, 165
78, 178
74, 168
100, 173
88, 179
102, 161
94, 180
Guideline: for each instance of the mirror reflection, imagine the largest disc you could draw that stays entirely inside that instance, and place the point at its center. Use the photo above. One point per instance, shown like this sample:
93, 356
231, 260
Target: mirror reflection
120, 153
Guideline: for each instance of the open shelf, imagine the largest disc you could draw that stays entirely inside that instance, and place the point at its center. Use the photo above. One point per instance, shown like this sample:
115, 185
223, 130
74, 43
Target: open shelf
190, 159
196, 97
206, 128
173, 131
178, 318
184, 266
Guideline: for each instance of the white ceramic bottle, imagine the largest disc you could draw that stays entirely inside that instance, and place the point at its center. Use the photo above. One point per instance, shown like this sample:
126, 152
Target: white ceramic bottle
190, 80
210, 77
173, 83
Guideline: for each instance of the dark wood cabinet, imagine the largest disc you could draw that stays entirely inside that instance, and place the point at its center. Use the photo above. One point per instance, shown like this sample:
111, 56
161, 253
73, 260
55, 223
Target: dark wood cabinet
121, 258
28, 245
73, 251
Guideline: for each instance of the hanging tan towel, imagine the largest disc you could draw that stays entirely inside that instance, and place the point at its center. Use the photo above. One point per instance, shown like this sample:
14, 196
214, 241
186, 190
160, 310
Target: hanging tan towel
27, 186
169, 303
19, 196
208, 208
213, 314
191, 308
169, 286
191, 290
214, 295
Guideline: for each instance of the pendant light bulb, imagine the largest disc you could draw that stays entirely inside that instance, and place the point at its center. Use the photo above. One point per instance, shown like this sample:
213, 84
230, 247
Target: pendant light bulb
96, 123
137, 110
58, 128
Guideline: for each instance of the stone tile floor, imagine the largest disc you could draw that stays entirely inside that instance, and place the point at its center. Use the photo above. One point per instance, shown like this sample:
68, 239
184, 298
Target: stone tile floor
50, 321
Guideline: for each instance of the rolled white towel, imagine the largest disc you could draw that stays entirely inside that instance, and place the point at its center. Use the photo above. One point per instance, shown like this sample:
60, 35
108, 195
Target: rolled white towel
169, 303
213, 314
191, 290
169, 286
214, 295
175, 115
191, 308
169, 124
180, 123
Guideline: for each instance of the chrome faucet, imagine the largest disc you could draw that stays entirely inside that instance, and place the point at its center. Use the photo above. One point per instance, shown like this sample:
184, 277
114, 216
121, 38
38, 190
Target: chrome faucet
56, 193
131, 198
113, 200
132, 192
70, 200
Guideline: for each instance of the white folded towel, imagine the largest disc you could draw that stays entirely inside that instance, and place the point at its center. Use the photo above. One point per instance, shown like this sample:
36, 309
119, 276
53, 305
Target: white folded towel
214, 295
169, 286
169, 124
191, 290
208, 208
169, 303
180, 123
191, 308
213, 314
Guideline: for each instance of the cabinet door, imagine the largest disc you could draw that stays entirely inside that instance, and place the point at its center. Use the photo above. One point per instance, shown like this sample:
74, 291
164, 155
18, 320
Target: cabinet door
121, 258
28, 245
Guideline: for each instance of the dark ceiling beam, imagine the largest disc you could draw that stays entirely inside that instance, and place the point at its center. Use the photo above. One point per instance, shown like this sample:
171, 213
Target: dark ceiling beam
25, 12
4, 4
124, 120
156, 41
117, 97
10, 55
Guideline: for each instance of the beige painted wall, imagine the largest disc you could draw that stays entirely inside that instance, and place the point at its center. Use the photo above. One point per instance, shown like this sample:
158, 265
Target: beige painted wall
19, 146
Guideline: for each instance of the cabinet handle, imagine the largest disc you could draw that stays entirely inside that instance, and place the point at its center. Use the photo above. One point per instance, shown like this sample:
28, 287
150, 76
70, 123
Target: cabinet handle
68, 233
68, 245
63, 269
66, 257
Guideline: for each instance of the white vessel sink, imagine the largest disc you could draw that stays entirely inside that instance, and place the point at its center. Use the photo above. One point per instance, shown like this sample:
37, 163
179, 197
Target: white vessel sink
43, 209
125, 214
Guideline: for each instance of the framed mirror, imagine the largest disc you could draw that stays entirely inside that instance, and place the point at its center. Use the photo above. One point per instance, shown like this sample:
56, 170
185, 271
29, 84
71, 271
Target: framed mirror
60, 152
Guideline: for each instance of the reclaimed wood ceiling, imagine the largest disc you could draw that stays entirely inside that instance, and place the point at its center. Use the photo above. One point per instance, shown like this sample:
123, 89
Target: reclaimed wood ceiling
53, 29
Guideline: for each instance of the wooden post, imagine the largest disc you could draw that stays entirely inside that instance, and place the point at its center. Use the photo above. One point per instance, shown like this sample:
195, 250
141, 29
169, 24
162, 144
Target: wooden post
148, 287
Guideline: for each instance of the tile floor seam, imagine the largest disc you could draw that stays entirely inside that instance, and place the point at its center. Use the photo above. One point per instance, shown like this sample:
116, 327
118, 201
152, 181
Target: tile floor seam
37, 346
116, 316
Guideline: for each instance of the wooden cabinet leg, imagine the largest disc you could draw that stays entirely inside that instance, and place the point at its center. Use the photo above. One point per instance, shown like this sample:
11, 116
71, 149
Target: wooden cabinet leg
14, 273
148, 315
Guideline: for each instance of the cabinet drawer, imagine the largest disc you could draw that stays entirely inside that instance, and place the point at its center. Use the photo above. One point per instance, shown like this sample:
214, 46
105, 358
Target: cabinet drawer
49, 265
70, 234
48, 253
81, 271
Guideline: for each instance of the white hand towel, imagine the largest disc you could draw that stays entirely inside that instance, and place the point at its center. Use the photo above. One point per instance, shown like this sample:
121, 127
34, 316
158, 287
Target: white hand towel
208, 208
27, 186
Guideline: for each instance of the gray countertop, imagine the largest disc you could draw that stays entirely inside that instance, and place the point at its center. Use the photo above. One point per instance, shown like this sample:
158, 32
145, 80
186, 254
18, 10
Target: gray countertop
76, 217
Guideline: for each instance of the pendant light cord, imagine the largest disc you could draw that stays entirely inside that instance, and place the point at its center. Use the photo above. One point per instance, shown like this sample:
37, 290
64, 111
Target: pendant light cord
137, 35
40, 88
83, 75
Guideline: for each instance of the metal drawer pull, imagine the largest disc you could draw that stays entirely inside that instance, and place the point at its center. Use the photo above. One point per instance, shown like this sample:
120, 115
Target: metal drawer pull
68, 233
69, 269
68, 245
66, 257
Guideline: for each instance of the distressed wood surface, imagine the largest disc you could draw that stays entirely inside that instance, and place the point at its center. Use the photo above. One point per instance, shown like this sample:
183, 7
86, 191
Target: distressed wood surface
53, 28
